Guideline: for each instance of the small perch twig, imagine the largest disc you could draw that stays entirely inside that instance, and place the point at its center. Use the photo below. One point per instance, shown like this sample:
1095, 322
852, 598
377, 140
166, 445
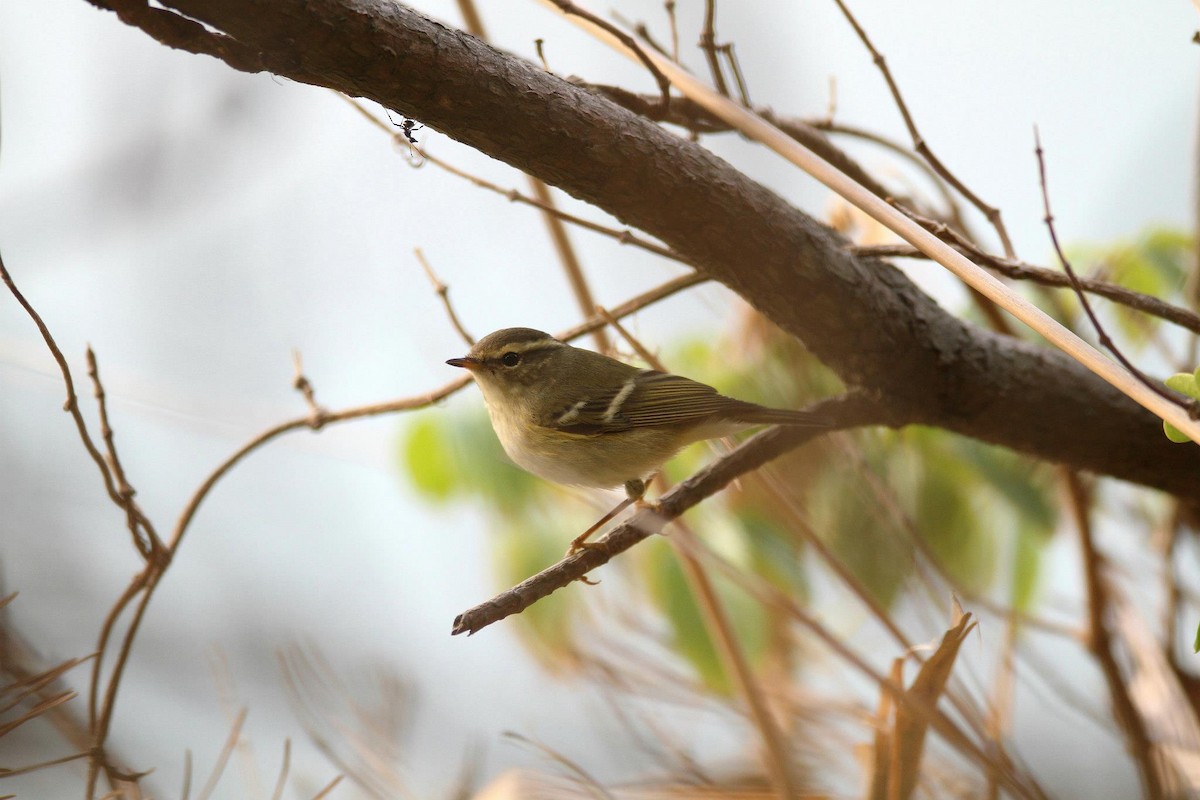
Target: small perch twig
851, 410
443, 291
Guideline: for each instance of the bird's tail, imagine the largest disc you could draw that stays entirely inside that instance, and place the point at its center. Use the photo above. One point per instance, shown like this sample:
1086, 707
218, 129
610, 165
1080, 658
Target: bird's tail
761, 415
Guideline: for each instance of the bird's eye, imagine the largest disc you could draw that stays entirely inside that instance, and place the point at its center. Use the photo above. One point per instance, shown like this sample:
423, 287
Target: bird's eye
510, 359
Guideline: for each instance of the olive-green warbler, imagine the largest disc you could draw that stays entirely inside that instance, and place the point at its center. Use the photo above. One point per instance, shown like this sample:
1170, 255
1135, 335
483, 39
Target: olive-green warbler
577, 417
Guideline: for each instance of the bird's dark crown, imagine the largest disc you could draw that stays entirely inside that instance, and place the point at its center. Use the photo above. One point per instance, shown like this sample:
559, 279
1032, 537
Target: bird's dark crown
513, 340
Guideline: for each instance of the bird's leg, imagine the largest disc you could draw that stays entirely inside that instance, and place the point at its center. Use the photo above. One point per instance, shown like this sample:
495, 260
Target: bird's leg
634, 490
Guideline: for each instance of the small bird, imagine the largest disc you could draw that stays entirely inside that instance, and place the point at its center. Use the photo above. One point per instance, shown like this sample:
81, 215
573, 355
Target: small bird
577, 417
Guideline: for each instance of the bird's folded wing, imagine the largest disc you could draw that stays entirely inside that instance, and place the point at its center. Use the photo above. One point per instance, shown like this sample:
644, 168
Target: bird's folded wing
647, 399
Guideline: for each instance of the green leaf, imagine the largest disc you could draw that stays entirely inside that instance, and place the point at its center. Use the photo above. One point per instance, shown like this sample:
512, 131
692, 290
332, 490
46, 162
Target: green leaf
1026, 565
1196, 644
426, 455
949, 522
1174, 434
523, 548
857, 534
773, 553
1184, 383
670, 591
1188, 385
1155, 263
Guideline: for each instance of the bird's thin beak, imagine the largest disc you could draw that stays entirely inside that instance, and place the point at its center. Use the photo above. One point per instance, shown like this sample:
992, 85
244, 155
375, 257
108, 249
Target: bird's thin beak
466, 363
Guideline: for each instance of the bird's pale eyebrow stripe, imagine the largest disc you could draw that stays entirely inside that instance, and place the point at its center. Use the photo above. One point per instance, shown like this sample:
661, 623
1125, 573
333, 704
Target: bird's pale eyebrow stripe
614, 407
536, 344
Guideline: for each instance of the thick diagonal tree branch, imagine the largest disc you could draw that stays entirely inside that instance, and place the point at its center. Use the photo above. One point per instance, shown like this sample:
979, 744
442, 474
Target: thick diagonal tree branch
860, 316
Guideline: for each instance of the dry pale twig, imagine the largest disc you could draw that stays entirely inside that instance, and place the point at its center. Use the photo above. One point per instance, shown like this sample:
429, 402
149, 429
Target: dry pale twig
720, 629
54, 762
443, 292
284, 767
1012, 777
736, 68
304, 386
153, 566
1101, 644
231, 741
362, 738
669, 6
71, 406
908, 742
574, 767
919, 143
144, 536
328, 788
708, 43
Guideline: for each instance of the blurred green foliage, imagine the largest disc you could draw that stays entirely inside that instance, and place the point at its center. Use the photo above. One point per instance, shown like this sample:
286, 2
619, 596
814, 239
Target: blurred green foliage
1157, 262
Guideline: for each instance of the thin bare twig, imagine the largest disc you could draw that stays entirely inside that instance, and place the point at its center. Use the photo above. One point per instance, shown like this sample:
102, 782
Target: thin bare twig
231, 741
186, 791
624, 236
720, 630
329, 787
1101, 643
153, 566
303, 385
145, 538
664, 85
729, 648
39, 708
284, 767
567, 256
71, 405
919, 144
570, 764
1020, 270
736, 68
708, 43
443, 292
539, 46
54, 762
765, 592
669, 5
1192, 407
643, 32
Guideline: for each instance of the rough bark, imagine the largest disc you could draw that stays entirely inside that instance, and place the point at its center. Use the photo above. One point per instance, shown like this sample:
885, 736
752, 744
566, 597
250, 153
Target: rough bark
860, 316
